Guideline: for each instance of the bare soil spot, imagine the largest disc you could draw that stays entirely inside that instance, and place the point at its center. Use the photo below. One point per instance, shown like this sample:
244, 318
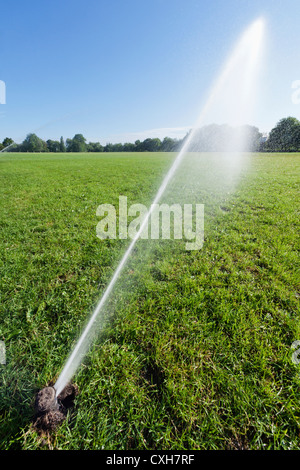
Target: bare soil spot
51, 411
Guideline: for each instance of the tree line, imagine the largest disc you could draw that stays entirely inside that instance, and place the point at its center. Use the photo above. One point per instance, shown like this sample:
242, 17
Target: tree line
33, 143
284, 137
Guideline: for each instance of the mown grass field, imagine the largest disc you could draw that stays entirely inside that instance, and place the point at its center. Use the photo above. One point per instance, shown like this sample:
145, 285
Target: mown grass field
198, 353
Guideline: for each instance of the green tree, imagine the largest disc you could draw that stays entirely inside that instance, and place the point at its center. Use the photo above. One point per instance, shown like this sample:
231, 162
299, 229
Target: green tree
169, 145
53, 145
94, 147
77, 144
109, 147
285, 136
250, 138
129, 147
150, 145
7, 142
137, 145
62, 147
32, 143
118, 147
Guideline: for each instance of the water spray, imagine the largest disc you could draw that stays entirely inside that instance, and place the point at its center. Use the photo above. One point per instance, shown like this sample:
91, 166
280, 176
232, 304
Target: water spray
49, 400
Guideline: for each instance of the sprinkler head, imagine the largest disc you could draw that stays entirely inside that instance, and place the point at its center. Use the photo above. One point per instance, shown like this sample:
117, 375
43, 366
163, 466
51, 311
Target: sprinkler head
46, 401
51, 410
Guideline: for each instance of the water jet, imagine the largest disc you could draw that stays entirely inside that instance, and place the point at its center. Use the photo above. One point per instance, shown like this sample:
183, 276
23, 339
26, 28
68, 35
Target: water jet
236, 81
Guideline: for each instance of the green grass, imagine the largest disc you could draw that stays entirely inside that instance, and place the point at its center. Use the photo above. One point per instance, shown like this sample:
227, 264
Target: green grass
198, 352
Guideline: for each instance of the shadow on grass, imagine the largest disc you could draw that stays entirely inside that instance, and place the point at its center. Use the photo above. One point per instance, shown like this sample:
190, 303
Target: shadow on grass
16, 406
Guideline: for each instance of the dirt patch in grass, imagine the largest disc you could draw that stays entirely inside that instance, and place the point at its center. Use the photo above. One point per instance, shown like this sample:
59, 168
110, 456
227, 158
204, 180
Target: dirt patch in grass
51, 411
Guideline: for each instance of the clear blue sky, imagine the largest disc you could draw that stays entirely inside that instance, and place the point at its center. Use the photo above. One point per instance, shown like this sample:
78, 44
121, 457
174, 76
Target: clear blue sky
117, 70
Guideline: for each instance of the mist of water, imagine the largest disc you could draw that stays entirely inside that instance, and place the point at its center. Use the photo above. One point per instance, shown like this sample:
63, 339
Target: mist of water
230, 100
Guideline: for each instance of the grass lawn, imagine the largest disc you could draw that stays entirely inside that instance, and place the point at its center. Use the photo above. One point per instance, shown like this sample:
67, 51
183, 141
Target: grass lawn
197, 353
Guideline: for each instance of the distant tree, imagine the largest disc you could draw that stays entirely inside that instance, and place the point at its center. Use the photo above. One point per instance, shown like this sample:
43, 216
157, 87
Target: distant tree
68, 144
129, 147
32, 143
77, 144
7, 142
109, 147
62, 147
250, 138
118, 147
169, 145
219, 138
14, 148
137, 145
53, 145
186, 137
297, 138
150, 145
285, 136
94, 147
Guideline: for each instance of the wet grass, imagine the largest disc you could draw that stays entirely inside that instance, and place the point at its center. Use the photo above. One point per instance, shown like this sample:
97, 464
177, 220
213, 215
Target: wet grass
198, 353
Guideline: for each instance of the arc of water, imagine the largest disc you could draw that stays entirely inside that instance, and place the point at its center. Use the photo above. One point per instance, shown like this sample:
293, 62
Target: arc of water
81, 346
251, 38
